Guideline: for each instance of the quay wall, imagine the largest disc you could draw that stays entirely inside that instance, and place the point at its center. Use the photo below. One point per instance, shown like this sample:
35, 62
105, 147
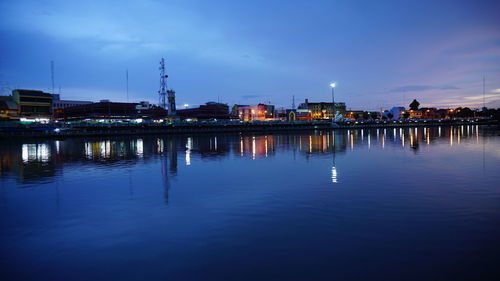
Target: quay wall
103, 129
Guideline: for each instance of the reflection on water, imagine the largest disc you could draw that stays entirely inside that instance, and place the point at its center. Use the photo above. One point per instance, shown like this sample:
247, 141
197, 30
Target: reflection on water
42, 159
289, 206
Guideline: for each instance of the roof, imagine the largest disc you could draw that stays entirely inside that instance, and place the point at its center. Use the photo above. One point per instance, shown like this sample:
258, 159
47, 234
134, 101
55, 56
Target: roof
35, 93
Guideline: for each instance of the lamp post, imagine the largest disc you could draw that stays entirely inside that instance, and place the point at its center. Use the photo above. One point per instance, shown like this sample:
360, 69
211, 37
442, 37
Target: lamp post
334, 169
332, 85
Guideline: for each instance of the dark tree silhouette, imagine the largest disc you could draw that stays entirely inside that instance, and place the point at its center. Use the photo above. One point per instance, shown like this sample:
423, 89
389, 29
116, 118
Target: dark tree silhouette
414, 105
389, 115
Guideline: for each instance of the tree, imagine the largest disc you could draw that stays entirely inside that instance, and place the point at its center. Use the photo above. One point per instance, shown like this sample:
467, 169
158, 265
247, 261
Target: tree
464, 112
356, 116
374, 115
389, 115
366, 115
414, 105
406, 115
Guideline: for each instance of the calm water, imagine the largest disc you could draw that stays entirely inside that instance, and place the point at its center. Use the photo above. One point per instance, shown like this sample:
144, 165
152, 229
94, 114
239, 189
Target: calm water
393, 204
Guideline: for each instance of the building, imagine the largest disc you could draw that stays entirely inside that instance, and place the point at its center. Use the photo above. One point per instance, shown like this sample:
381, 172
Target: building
260, 112
319, 110
112, 111
33, 104
430, 113
8, 108
57, 103
210, 110
285, 114
415, 114
235, 110
355, 114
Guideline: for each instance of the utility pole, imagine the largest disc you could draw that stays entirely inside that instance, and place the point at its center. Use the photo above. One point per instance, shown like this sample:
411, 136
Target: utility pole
484, 99
126, 77
52, 75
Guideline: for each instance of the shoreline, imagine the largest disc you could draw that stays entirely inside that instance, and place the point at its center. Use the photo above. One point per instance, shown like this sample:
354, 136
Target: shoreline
117, 129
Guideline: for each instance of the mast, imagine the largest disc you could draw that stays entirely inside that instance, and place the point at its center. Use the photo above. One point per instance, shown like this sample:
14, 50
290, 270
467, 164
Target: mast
163, 85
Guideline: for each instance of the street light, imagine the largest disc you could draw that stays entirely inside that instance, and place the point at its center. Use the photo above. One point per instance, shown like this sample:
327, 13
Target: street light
332, 85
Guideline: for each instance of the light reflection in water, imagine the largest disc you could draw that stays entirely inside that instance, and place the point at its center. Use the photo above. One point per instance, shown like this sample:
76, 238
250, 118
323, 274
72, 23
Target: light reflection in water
140, 147
255, 146
402, 138
241, 146
189, 146
35, 152
334, 175
451, 136
160, 146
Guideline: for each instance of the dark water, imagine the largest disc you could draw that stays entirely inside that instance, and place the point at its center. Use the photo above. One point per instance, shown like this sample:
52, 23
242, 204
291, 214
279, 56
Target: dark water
394, 204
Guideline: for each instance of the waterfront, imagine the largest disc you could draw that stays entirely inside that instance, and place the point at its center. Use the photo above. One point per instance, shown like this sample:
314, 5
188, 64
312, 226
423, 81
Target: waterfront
395, 203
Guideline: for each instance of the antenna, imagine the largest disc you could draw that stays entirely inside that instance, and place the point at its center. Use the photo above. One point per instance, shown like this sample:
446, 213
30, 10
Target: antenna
163, 84
126, 76
52, 74
484, 100
293, 102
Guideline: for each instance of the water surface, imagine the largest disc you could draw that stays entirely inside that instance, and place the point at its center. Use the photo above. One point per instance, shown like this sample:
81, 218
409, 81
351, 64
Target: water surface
378, 204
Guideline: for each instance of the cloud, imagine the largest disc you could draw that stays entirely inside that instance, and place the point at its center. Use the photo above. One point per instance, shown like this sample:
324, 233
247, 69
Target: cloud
491, 100
420, 88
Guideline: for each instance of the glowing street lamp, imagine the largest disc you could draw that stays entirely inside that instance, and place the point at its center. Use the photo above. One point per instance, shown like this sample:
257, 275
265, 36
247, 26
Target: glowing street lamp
332, 85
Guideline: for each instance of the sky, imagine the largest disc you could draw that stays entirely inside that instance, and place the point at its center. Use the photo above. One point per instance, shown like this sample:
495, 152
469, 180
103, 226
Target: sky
379, 53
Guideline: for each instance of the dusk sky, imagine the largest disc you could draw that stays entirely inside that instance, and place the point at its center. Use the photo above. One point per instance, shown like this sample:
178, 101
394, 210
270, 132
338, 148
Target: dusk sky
380, 53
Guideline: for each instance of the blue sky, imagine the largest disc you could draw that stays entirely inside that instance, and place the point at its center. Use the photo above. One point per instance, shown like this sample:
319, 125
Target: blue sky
380, 53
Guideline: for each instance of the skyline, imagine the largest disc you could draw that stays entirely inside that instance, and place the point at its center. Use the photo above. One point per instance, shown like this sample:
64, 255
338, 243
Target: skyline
380, 55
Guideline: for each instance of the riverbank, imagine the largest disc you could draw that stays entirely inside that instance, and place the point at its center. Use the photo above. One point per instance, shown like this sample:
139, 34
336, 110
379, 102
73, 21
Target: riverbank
16, 130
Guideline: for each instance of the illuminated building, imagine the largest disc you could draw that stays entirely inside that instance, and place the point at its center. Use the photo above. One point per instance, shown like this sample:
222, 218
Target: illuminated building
260, 112
319, 110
